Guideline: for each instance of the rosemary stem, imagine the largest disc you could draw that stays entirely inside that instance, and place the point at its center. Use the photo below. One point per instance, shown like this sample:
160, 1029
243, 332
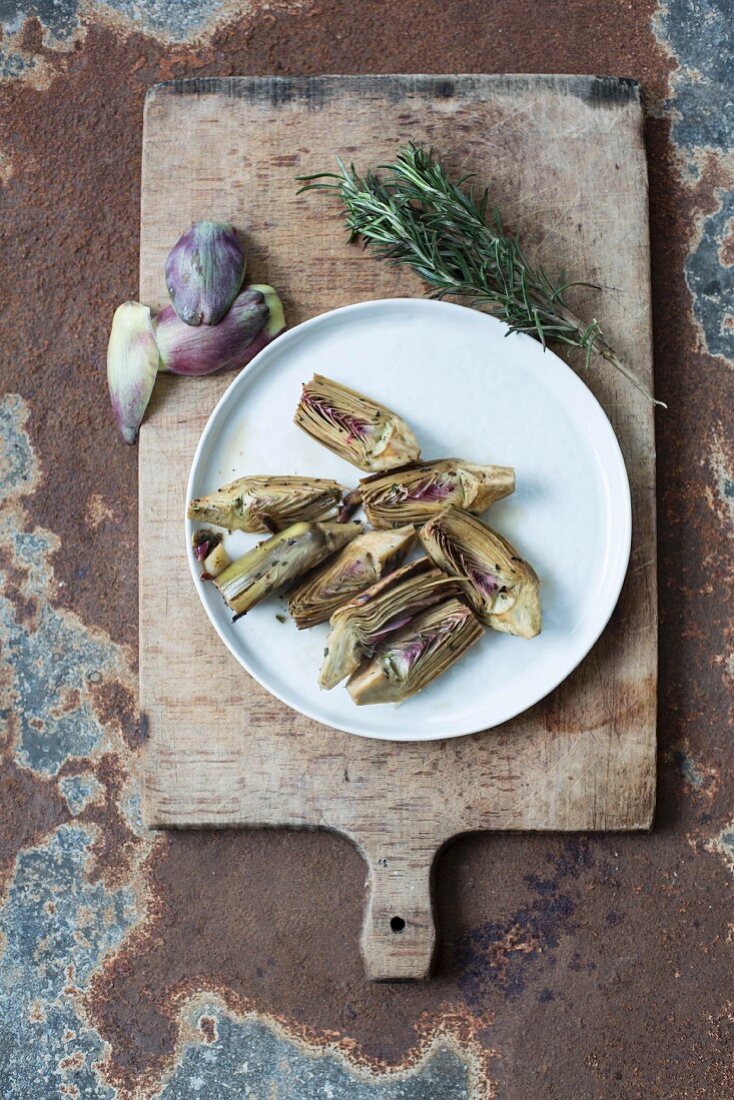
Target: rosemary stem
415, 216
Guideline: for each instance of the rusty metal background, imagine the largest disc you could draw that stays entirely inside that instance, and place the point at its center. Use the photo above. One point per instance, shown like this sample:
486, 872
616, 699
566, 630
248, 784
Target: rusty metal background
217, 964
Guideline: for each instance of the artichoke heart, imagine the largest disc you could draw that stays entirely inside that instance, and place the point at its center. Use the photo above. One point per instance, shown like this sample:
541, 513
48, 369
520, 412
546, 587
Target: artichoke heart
356, 428
279, 560
359, 627
415, 494
269, 503
362, 562
416, 655
503, 588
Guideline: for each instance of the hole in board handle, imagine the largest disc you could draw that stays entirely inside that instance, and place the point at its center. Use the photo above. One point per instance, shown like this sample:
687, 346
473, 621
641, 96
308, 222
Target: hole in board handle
397, 924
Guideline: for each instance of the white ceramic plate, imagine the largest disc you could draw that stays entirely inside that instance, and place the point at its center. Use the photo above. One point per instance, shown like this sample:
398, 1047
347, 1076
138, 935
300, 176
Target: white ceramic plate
466, 391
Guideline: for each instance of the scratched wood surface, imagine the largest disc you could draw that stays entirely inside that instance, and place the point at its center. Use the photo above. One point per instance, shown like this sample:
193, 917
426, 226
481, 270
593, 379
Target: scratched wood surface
565, 159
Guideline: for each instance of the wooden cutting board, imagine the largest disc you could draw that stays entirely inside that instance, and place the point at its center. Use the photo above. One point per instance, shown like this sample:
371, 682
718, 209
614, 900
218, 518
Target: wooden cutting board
565, 159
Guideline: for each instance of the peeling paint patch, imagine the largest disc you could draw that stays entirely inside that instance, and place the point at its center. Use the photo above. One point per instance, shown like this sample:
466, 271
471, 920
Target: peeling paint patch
58, 927
710, 278
60, 918
80, 790
721, 462
724, 844
53, 666
698, 776
252, 1056
698, 33
18, 473
64, 22
688, 768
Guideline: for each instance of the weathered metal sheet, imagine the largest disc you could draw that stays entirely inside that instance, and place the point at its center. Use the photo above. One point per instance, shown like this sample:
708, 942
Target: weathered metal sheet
593, 967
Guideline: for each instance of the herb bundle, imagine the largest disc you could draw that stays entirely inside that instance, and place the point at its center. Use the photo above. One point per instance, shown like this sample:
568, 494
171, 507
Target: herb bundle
414, 215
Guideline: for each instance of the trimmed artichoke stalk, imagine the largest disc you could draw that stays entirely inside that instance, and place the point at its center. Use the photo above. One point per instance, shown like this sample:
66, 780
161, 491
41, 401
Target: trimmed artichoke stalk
215, 563
356, 428
359, 627
503, 588
269, 503
205, 270
256, 318
359, 565
132, 366
208, 549
416, 655
203, 541
280, 560
415, 494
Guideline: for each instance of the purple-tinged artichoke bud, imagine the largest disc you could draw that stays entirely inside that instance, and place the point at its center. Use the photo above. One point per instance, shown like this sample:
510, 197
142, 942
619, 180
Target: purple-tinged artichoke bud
132, 365
205, 270
256, 318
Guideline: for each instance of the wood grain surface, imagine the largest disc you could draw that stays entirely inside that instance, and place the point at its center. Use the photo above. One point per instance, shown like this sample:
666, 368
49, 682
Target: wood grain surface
565, 159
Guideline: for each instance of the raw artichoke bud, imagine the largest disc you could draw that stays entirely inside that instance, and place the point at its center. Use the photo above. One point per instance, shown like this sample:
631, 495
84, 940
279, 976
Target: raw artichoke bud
280, 560
256, 318
416, 655
355, 427
415, 494
359, 565
269, 503
503, 588
358, 628
132, 365
204, 272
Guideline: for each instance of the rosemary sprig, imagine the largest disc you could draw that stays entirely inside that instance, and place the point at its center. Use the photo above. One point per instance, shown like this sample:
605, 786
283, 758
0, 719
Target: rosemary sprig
414, 215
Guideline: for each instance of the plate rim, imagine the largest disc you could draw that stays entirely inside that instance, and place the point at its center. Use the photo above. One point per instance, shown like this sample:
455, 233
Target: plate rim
572, 379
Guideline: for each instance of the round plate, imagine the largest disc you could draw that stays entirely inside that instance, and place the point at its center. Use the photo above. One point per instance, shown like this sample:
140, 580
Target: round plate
466, 391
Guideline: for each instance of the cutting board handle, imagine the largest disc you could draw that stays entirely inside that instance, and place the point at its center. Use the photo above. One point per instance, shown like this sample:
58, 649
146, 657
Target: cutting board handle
398, 935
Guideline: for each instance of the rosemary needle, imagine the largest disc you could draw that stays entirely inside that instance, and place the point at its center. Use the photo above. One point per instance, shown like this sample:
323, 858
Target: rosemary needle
414, 215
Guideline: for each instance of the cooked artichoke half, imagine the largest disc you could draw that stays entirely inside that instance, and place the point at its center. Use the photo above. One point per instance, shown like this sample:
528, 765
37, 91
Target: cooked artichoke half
415, 494
355, 427
375, 614
269, 503
356, 567
280, 560
416, 655
504, 589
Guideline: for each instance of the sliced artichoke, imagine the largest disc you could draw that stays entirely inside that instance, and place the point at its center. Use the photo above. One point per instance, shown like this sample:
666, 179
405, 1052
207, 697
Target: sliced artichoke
374, 615
416, 655
280, 560
415, 494
503, 588
360, 564
269, 503
355, 427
